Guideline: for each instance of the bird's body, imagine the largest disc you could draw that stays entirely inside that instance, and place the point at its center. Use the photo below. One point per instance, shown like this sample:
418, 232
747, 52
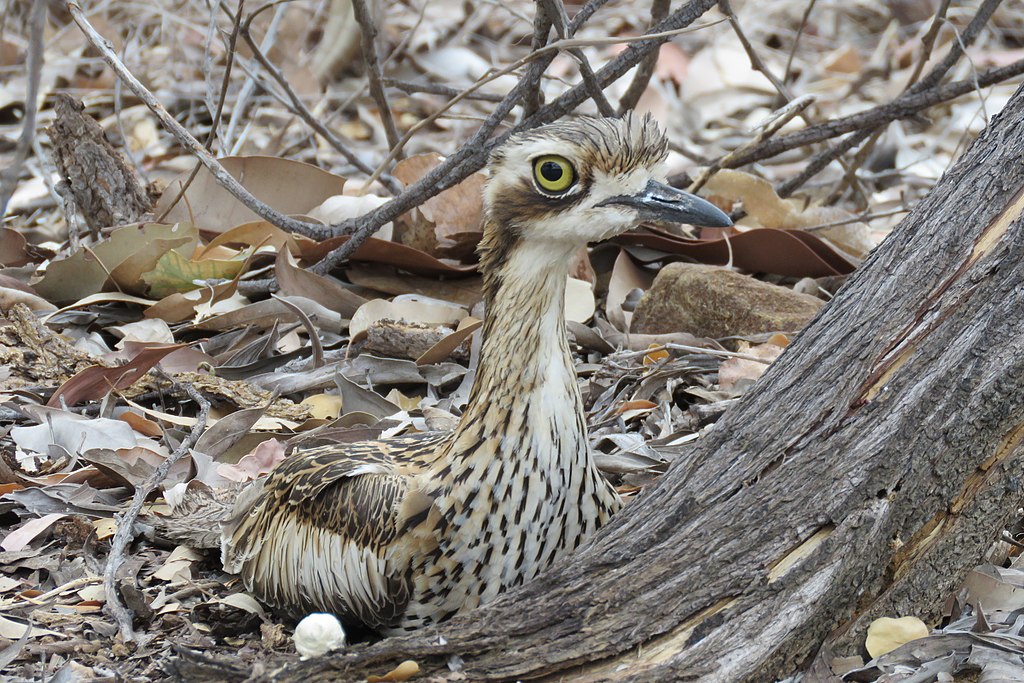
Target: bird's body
397, 534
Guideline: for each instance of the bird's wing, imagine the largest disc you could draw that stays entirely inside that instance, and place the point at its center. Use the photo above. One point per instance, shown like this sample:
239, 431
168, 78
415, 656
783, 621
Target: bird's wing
318, 534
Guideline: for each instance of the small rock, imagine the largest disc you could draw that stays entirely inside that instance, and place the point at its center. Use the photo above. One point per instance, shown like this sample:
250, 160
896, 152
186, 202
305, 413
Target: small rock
710, 301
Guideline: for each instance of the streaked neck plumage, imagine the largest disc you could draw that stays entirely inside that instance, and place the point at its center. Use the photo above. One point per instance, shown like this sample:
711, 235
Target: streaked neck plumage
521, 488
525, 379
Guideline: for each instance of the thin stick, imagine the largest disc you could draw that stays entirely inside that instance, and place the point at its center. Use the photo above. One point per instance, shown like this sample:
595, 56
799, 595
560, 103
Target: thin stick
796, 41
758, 65
775, 122
555, 10
629, 99
904, 106
124, 534
820, 160
472, 156
9, 178
373, 71
542, 25
928, 42
861, 218
437, 89
532, 99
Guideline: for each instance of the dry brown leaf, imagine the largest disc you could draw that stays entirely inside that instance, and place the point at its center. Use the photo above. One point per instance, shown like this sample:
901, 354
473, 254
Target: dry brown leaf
290, 187
97, 381
13, 630
9, 297
13, 248
324, 406
178, 565
444, 348
579, 301
464, 291
132, 466
23, 535
886, 634
402, 672
122, 258
452, 218
257, 234
626, 277
326, 291
343, 207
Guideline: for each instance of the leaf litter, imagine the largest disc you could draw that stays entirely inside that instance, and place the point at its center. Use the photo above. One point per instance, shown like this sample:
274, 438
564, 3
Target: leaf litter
101, 327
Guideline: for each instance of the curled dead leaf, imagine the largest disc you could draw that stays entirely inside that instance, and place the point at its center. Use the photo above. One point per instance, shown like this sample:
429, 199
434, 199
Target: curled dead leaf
402, 672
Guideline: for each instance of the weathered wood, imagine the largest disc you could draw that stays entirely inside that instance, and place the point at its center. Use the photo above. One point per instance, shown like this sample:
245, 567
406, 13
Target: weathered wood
94, 174
867, 470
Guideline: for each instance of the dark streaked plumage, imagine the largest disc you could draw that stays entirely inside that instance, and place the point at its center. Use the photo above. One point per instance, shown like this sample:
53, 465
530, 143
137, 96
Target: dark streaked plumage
401, 533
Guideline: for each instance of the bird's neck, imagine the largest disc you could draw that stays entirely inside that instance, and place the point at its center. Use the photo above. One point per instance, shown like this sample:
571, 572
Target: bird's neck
525, 389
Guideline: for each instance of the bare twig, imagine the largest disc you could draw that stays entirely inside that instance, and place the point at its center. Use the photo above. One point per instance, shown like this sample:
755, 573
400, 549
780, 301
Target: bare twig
859, 218
642, 77
796, 40
124, 534
758, 64
473, 154
823, 159
373, 71
301, 110
9, 178
928, 42
905, 106
538, 56
930, 81
555, 11
532, 98
248, 89
775, 122
542, 26
819, 161
438, 89
956, 50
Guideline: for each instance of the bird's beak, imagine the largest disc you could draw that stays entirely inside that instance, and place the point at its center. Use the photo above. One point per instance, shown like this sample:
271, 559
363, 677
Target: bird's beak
660, 202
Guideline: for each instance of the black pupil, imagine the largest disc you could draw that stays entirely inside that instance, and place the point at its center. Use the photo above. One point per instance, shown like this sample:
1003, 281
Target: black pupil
551, 171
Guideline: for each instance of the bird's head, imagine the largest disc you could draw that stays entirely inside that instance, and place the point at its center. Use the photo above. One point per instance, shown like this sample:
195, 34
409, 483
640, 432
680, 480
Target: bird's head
584, 180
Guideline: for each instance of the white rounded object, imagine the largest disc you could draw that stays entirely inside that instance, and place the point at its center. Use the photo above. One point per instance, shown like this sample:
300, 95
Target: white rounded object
318, 634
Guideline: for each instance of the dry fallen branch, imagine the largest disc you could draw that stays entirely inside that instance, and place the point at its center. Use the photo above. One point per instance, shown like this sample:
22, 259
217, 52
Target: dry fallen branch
659, 10
125, 531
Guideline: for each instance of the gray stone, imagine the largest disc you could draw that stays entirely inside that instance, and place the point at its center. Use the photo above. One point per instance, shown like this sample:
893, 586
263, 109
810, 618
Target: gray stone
710, 301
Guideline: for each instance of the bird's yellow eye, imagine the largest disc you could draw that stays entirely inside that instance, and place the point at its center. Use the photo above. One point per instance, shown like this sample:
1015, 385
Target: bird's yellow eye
553, 173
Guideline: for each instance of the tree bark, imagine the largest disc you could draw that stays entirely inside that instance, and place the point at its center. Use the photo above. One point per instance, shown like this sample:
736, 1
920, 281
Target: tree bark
863, 475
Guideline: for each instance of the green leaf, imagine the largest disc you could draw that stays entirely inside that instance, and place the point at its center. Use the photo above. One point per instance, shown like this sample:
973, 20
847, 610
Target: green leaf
176, 273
